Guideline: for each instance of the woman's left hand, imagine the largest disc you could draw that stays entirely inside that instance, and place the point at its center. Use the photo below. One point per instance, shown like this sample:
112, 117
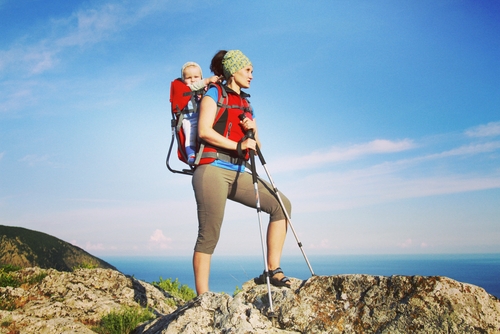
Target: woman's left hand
248, 124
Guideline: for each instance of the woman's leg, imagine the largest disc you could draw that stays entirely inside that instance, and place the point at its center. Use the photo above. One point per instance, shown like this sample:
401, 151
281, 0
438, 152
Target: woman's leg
201, 267
277, 228
276, 234
210, 186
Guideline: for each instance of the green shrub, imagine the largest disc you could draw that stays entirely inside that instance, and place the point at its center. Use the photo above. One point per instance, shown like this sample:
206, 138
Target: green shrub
5, 322
237, 290
176, 289
35, 278
6, 277
7, 304
86, 265
8, 268
123, 321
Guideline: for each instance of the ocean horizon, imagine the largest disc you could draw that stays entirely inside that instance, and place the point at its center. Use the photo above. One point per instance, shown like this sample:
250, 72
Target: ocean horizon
229, 272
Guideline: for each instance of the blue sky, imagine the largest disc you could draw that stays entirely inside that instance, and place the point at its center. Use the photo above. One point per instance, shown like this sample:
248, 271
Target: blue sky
380, 120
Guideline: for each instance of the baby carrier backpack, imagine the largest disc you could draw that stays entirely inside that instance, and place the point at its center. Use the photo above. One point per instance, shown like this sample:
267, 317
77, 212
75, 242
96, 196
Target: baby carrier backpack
180, 96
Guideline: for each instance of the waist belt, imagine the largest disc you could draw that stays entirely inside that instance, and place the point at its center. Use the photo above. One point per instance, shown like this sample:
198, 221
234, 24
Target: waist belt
226, 158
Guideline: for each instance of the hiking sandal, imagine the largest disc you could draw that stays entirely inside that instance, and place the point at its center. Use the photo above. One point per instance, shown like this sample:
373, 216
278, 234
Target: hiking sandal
274, 281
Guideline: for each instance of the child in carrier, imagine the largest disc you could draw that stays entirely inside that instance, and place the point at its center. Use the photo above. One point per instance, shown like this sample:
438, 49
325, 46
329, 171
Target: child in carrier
192, 76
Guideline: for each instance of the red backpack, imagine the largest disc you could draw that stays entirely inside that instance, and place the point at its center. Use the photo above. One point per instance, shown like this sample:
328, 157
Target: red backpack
180, 95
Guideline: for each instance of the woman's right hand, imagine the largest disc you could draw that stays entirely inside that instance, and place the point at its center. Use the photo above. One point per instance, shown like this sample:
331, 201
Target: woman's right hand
249, 144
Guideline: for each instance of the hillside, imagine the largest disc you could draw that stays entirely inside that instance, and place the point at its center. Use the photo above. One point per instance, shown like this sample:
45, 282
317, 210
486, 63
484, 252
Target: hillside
27, 248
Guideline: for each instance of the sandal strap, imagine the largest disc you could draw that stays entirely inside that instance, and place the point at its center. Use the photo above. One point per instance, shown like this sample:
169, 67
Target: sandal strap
276, 271
285, 279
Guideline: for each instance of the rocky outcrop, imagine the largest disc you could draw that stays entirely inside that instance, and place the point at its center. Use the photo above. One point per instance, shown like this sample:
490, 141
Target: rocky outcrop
64, 302
72, 302
26, 248
341, 304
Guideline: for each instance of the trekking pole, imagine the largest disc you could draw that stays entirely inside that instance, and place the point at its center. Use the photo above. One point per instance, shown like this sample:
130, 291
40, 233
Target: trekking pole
250, 135
263, 162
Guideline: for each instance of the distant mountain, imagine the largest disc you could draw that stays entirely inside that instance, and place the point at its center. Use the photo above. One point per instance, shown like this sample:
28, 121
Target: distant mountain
27, 248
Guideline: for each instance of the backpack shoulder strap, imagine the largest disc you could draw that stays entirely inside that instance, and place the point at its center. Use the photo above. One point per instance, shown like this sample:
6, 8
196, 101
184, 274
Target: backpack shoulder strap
221, 107
221, 101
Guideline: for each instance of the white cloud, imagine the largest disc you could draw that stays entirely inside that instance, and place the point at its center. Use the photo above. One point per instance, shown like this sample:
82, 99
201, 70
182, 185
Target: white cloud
464, 150
1, 155
84, 27
472, 149
35, 159
158, 236
323, 244
158, 239
91, 26
39, 160
410, 243
406, 244
93, 247
336, 154
491, 129
390, 181
89, 246
42, 60
336, 191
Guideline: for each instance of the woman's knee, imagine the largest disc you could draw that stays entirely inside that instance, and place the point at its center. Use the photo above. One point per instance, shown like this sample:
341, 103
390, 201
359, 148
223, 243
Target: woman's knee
287, 204
279, 212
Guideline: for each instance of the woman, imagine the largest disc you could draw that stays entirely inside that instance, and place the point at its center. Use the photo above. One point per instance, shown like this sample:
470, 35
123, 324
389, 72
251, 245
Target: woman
222, 130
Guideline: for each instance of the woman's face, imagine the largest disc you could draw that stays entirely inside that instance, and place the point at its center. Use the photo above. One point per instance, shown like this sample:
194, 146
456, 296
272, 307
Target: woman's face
244, 76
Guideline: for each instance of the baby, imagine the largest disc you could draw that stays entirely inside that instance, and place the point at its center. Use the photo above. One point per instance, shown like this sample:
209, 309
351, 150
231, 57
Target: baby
193, 78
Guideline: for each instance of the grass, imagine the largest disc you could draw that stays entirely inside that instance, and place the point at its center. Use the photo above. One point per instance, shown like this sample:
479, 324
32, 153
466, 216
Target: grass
6, 322
8, 279
86, 265
237, 290
123, 321
175, 288
7, 304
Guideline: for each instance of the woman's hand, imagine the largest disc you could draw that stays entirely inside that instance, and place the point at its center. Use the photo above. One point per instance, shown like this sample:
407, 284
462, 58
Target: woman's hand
248, 124
249, 144
251, 124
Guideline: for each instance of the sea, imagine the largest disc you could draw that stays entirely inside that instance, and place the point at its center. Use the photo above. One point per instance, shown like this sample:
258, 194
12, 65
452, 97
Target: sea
229, 272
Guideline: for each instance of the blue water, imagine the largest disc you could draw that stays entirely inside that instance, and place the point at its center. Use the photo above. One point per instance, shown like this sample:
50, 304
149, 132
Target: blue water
229, 272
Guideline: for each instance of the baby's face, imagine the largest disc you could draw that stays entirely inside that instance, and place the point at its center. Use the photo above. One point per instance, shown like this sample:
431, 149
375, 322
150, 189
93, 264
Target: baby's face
191, 75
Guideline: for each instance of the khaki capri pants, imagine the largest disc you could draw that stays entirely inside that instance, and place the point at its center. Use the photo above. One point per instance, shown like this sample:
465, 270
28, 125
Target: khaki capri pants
213, 186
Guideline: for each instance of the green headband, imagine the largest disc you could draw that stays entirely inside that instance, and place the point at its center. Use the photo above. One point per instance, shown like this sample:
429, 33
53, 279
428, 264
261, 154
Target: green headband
233, 61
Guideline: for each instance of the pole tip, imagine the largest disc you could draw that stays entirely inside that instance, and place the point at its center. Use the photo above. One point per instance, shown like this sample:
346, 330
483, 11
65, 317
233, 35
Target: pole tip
273, 317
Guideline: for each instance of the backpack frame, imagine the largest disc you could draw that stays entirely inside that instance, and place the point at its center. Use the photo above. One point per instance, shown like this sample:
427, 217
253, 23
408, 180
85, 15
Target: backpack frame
180, 95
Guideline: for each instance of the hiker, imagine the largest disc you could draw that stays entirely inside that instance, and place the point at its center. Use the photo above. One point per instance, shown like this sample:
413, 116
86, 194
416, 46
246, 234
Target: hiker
226, 178
192, 76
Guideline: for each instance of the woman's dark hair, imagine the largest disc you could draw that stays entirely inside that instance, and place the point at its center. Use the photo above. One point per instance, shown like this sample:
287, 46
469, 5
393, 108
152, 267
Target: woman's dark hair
216, 64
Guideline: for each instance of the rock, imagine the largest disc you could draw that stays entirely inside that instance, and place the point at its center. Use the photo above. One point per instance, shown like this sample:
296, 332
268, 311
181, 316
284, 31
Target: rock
213, 313
377, 304
72, 302
341, 304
